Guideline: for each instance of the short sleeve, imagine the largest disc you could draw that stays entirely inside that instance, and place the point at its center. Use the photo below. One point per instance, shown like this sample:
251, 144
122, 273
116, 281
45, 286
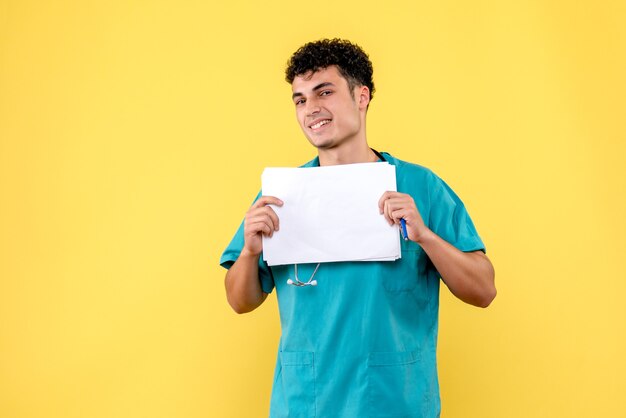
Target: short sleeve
449, 218
231, 254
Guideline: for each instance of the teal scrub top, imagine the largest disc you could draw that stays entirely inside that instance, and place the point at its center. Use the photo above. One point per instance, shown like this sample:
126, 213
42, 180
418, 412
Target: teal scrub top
363, 342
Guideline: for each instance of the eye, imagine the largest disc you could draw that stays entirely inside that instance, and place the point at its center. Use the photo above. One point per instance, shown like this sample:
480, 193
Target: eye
325, 92
299, 101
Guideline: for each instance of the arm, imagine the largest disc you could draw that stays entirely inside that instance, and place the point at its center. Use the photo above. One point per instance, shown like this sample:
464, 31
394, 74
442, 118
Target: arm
469, 276
243, 288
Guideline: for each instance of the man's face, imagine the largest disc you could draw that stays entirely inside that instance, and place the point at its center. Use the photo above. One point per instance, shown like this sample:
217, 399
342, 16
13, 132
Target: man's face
327, 111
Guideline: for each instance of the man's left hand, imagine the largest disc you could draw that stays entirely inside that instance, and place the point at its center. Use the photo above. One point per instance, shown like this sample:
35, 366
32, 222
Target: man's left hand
395, 206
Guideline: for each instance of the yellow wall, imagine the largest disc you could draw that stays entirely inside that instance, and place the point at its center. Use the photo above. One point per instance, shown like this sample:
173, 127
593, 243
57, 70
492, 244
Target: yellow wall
132, 139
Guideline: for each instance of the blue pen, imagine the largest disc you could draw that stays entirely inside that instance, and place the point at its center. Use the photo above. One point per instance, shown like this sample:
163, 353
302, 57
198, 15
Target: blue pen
405, 234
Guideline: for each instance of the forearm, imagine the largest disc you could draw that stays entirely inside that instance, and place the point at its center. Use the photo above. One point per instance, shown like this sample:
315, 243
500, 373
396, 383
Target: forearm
243, 287
469, 276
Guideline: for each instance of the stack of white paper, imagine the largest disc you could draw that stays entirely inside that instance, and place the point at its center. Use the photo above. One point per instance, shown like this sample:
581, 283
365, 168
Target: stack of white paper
330, 214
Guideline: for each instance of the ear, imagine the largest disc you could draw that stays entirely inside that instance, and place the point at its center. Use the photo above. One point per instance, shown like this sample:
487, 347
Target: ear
364, 96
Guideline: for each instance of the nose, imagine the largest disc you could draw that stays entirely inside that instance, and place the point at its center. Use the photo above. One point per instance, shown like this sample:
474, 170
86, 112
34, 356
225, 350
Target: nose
312, 107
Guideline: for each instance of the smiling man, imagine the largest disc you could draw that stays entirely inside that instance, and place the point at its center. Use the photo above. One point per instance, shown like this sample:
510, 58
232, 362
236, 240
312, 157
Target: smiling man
363, 342
329, 113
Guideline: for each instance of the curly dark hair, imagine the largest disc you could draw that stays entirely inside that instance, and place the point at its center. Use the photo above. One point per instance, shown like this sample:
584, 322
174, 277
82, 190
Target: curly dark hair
353, 63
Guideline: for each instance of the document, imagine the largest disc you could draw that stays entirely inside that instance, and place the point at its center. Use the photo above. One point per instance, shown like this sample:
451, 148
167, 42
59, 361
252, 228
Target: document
330, 214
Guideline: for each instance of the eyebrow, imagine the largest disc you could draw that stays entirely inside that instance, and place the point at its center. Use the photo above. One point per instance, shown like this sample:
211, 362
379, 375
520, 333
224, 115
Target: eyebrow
319, 86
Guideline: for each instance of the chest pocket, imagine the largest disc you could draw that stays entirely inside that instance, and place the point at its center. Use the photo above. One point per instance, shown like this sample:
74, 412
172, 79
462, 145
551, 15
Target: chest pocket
409, 273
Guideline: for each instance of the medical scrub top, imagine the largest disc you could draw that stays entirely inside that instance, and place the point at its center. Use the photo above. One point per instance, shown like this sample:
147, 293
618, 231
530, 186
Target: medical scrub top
363, 342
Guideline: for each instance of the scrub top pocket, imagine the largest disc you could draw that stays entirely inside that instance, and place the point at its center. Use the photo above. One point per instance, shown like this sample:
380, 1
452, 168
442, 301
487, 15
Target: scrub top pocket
408, 273
396, 385
298, 380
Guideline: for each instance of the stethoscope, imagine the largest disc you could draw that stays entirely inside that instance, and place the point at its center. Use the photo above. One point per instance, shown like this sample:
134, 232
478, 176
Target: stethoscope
311, 281
299, 283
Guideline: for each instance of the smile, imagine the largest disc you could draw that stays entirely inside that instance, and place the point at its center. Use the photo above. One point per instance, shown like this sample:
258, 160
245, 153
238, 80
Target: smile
319, 124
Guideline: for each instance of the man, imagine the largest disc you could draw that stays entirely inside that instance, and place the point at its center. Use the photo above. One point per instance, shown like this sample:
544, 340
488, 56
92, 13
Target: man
362, 343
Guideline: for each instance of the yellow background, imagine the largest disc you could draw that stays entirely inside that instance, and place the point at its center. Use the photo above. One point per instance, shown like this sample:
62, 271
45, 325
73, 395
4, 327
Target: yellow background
132, 139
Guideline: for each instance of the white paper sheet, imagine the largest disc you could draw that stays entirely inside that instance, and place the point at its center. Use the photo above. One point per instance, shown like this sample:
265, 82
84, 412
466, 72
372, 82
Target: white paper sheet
330, 214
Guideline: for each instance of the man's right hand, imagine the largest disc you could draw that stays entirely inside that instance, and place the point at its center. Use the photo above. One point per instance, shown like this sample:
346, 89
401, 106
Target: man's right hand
260, 220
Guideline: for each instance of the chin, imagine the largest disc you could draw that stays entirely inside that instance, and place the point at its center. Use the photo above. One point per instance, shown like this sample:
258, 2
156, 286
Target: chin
322, 143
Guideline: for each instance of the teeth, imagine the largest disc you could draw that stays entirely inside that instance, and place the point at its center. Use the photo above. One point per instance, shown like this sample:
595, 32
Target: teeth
320, 123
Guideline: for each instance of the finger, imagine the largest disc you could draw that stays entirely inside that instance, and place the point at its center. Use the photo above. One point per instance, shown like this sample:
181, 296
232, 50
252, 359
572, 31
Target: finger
259, 227
402, 202
394, 197
396, 205
273, 216
266, 230
381, 202
256, 222
265, 212
267, 200
387, 212
398, 214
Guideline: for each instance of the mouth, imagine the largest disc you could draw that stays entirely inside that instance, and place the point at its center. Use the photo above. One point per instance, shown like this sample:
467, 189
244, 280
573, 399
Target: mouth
318, 124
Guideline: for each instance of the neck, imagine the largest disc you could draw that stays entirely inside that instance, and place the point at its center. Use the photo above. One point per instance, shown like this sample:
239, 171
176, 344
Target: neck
360, 153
